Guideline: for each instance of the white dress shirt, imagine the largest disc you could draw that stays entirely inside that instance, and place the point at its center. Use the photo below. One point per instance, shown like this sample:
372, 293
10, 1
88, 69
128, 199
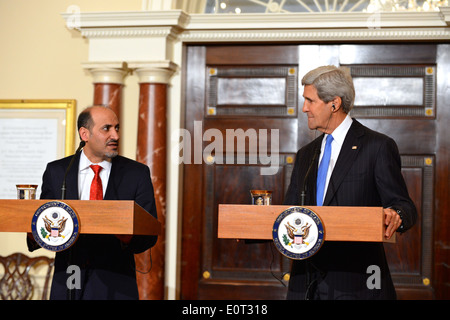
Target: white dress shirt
86, 174
338, 139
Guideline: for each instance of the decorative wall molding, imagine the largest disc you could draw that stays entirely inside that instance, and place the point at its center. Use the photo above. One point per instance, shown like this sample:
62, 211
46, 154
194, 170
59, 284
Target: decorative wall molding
445, 14
396, 34
91, 33
127, 19
152, 35
324, 20
378, 26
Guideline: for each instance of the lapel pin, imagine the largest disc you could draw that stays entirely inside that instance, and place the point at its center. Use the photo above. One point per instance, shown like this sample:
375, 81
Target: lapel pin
354, 147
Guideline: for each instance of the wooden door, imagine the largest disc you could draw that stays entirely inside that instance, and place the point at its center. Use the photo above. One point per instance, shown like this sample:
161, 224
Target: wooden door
224, 97
241, 100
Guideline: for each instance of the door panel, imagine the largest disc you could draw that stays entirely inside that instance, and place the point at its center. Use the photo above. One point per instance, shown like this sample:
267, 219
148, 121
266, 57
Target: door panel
230, 263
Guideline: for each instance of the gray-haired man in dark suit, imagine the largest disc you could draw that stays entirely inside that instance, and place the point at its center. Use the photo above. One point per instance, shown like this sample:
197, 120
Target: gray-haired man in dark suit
363, 169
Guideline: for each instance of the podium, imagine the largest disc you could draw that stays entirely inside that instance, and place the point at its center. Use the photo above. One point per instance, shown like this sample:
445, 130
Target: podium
340, 223
95, 216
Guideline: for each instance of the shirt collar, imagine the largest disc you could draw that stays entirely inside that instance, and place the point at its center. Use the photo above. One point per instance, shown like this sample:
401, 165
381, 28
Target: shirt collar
85, 163
341, 131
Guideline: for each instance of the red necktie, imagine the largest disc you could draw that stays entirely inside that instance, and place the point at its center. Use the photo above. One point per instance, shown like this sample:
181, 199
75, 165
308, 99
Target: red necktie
96, 185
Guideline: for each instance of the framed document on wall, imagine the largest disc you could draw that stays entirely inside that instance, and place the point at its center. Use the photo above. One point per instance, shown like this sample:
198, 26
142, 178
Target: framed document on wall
32, 134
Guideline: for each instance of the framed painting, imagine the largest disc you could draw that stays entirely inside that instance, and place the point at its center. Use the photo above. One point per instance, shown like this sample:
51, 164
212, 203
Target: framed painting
32, 134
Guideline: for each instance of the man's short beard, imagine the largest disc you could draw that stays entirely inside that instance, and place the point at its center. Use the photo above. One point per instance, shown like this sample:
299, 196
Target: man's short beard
111, 154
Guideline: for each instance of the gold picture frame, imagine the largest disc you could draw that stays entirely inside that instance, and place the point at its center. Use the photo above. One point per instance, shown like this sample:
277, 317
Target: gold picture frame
32, 134
36, 106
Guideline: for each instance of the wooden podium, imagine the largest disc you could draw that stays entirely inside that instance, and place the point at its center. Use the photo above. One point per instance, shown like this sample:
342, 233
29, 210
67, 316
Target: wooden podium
340, 223
95, 216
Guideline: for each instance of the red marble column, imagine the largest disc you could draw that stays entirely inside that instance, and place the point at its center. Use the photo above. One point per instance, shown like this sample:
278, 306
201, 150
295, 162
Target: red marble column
151, 150
108, 83
109, 94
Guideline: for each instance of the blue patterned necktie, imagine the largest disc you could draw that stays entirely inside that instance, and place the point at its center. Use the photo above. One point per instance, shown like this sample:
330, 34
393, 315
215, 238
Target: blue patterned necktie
323, 168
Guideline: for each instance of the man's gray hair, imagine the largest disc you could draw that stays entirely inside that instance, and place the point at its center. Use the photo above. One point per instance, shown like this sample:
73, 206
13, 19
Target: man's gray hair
331, 82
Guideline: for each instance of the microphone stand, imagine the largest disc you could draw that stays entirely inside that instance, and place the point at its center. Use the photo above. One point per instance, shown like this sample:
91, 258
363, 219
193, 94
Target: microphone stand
70, 292
303, 193
63, 187
302, 203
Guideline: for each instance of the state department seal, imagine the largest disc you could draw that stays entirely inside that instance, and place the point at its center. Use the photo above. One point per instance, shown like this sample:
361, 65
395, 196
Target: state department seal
298, 233
55, 226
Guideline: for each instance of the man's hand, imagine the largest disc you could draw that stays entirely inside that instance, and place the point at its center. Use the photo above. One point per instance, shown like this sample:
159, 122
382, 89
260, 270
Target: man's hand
392, 221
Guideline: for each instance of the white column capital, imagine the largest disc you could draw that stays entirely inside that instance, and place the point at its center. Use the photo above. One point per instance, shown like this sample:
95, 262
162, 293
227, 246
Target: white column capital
110, 72
154, 72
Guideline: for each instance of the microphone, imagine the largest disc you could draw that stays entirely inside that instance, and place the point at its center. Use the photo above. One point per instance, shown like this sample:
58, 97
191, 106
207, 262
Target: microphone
63, 187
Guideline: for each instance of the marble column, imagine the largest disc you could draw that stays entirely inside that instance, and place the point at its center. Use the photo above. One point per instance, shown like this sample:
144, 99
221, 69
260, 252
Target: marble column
109, 94
152, 151
108, 83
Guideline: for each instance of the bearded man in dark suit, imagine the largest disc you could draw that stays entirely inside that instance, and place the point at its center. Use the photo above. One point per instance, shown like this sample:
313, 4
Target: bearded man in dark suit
106, 262
364, 169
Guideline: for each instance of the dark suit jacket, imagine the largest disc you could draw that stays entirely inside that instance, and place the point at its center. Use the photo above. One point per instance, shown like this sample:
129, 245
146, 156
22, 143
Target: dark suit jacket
368, 175
107, 266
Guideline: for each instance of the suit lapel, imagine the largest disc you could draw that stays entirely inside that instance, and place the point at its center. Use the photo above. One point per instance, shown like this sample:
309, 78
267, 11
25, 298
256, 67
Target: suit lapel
114, 179
72, 179
349, 151
312, 179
